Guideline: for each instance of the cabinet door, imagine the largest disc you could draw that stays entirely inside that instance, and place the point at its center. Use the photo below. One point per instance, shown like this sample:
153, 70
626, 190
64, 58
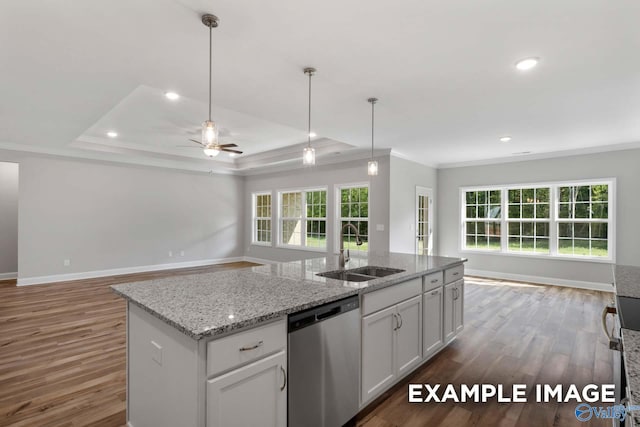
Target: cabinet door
254, 395
449, 312
432, 321
458, 308
409, 335
378, 355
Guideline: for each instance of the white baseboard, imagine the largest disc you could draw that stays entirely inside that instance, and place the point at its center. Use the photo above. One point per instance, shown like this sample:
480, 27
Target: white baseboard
258, 260
8, 276
39, 280
595, 286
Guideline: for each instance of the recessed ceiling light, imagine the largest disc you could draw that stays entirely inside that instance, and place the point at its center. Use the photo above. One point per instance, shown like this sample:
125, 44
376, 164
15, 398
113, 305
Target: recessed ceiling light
231, 316
527, 63
313, 134
171, 95
505, 139
112, 134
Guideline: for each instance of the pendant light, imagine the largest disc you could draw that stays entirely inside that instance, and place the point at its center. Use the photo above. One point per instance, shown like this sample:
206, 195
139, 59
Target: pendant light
372, 167
209, 128
309, 153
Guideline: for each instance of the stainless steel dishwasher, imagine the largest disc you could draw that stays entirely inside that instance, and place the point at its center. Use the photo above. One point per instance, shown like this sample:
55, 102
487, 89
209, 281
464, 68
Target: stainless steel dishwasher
324, 364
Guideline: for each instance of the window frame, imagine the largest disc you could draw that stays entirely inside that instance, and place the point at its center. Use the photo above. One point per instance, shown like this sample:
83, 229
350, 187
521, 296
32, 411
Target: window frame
303, 219
554, 221
338, 218
255, 218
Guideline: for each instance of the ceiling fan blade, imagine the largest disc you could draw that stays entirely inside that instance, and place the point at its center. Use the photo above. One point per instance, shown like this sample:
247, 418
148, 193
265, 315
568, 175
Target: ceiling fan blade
228, 145
197, 142
231, 151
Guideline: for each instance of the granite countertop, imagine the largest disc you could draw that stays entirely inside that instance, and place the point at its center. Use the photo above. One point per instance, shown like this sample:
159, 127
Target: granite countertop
209, 304
627, 280
627, 284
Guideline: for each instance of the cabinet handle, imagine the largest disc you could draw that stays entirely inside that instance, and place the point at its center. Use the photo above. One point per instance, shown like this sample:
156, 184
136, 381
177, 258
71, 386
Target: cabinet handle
284, 376
455, 293
434, 281
395, 319
401, 322
435, 292
253, 347
605, 313
456, 273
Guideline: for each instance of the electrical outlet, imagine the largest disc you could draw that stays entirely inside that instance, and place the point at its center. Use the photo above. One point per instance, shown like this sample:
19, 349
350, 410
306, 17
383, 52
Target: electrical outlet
170, 254
181, 253
156, 352
66, 262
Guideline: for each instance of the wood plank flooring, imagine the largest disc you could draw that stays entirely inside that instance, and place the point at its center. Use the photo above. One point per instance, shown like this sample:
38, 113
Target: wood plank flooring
62, 354
62, 351
515, 333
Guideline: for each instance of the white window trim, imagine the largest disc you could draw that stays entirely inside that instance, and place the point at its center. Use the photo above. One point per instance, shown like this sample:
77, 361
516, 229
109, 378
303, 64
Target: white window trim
303, 236
338, 217
254, 218
553, 220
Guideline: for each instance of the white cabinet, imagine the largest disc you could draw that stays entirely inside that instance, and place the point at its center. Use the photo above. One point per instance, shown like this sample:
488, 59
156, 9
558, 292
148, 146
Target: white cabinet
453, 309
253, 395
432, 306
391, 345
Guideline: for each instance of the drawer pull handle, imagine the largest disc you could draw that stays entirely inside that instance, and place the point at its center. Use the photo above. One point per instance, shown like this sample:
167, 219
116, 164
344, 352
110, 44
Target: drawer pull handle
456, 273
284, 376
435, 292
434, 281
253, 347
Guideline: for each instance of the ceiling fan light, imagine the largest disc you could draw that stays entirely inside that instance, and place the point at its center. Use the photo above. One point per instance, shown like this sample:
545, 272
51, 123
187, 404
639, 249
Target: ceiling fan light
209, 132
211, 152
372, 168
309, 156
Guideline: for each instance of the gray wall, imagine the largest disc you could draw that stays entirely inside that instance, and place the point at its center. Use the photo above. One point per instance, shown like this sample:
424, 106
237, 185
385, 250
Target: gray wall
405, 176
105, 216
327, 176
8, 219
622, 165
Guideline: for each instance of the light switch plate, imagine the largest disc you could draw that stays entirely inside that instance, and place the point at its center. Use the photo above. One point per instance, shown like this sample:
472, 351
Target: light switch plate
379, 227
156, 352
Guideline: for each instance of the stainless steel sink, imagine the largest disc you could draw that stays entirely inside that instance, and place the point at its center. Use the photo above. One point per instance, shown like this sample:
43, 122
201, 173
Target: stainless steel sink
372, 270
347, 276
361, 274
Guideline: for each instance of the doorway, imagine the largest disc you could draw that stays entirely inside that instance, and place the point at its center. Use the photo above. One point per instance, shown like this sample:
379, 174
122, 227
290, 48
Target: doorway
8, 221
424, 221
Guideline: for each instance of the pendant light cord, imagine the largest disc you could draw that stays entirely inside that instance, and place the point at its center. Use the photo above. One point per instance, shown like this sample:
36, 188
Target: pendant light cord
210, 57
372, 128
309, 118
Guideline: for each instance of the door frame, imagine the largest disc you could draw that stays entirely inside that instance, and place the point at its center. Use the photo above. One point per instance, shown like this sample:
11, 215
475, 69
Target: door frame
428, 192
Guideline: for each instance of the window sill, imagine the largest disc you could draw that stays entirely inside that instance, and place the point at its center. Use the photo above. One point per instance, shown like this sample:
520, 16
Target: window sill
580, 258
301, 248
262, 244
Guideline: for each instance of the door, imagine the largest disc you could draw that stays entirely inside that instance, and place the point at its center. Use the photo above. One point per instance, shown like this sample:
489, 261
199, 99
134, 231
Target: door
432, 321
378, 352
254, 395
424, 221
449, 312
409, 331
458, 312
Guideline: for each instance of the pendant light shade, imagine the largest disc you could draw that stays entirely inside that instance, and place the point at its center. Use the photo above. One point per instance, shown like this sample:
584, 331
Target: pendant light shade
309, 153
372, 167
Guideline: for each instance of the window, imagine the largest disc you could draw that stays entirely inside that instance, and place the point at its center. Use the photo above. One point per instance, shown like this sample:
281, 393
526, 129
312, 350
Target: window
528, 219
262, 218
551, 219
482, 219
303, 218
353, 205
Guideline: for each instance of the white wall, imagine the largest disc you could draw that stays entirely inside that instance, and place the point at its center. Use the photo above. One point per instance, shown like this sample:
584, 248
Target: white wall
105, 216
622, 165
328, 176
405, 176
8, 220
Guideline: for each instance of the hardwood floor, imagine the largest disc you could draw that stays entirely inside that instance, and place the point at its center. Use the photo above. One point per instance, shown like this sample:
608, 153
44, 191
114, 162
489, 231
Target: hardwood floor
62, 351
515, 333
62, 354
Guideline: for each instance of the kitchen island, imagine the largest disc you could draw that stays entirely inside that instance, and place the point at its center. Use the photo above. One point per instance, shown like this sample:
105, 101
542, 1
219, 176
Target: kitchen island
202, 348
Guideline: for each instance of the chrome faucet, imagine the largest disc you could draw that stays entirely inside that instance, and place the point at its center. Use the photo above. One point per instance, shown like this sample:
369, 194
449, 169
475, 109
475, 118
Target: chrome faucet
341, 259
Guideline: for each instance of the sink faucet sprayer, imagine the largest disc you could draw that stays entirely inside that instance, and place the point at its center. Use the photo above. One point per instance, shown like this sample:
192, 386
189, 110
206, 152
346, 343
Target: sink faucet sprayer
341, 259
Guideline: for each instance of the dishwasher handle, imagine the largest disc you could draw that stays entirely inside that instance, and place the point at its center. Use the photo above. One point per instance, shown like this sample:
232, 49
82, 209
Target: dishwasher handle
328, 313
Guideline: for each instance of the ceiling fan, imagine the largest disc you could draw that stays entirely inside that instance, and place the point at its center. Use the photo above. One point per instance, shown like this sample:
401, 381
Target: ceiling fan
210, 141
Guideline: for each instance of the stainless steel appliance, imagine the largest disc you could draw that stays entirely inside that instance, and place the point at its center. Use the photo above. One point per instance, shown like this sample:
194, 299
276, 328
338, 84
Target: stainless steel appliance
324, 364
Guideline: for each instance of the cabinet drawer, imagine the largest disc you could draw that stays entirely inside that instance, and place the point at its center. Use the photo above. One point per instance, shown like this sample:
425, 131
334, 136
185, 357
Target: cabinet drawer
431, 281
392, 295
244, 347
453, 274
